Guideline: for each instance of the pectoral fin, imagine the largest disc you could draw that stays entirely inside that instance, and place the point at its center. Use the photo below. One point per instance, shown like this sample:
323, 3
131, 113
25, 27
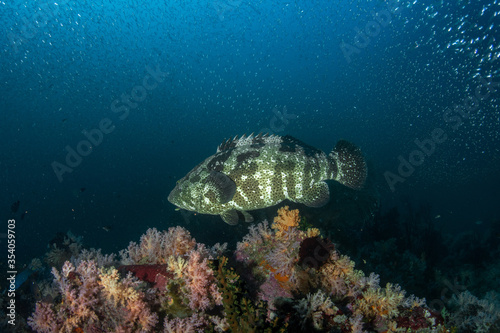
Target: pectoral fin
223, 186
247, 216
230, 216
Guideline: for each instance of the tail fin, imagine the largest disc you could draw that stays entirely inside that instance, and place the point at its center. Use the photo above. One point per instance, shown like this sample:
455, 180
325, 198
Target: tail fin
349, 163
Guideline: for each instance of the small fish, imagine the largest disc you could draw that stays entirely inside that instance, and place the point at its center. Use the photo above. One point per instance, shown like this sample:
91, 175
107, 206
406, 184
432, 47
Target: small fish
254, 172
22, 277
15, 206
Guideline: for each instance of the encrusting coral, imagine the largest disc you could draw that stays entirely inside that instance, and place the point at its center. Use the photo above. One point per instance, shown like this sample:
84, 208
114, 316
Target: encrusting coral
281, 278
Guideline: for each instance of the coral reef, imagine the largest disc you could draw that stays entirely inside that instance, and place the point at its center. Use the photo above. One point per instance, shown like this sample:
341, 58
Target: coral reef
329, 293
62, 248
282, 278
94, 299
408, 244
166, 276
156, 247
474, 315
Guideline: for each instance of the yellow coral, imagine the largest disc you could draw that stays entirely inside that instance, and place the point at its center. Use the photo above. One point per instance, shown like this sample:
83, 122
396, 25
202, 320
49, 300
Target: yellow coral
336, 267
285, 221
312, 232
177, 265
114, 289
381, 302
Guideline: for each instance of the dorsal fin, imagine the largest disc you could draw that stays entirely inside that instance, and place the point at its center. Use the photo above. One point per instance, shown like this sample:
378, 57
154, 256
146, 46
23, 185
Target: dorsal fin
228, 144
290, 144
249, 140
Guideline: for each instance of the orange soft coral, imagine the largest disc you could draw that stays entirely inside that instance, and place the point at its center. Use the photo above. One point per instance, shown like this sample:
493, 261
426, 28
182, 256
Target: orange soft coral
286, 220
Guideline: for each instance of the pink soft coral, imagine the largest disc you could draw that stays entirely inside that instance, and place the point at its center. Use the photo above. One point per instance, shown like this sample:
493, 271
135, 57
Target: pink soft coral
94, 300
43, 319
156, 246
201, 283
184, 325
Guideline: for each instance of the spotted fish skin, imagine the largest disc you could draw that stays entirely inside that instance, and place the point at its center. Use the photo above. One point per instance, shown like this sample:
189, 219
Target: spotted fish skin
254, 172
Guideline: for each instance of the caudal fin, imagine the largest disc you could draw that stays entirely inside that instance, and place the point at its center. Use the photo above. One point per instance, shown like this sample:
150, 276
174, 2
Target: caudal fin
349, 163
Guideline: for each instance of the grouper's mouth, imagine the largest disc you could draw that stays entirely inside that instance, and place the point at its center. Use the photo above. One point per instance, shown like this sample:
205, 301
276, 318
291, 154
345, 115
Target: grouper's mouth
172, 195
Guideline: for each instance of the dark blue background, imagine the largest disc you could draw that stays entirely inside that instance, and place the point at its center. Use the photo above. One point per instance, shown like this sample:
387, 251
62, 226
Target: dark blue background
229, 64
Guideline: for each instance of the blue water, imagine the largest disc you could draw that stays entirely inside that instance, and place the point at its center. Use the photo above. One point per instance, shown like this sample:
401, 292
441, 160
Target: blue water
159, 84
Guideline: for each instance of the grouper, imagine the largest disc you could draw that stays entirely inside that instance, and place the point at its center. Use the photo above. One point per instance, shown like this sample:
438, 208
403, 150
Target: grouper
259, 171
